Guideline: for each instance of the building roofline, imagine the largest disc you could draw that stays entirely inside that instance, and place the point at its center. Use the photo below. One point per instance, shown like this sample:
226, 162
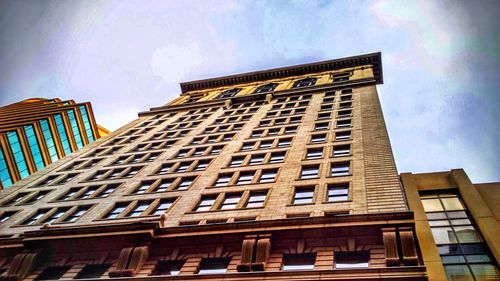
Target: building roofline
374, 59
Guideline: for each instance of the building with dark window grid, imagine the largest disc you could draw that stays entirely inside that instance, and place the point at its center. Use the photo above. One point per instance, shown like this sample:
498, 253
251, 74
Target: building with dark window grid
36, 132
457, 224
281, 174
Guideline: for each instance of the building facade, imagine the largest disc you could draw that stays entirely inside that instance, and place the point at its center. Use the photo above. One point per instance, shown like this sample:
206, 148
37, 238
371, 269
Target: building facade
281, 174
457, 224
36, 132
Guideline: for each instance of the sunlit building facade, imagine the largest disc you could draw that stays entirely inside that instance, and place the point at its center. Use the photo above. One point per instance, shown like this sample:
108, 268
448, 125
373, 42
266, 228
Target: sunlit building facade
37, 132
281, 174
457, 224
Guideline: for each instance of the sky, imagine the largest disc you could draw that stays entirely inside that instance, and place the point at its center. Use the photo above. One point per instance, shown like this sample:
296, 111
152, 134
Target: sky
441, 61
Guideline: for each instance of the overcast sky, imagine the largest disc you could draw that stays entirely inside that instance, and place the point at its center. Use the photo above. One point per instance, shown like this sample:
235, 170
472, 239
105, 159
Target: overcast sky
441, 61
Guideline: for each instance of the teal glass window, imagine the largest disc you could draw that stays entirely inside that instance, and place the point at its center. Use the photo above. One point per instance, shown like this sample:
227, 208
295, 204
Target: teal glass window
62, 133
34, 146
17, 151
74, 127
49, 140
86, 123
4, 172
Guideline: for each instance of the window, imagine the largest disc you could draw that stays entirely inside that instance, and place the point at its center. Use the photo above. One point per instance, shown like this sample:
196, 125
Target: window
303, 195
309, 172
230, 201
34, 146
202, 165
341, 136
106, 191
76, 130
185, 183
5, 216
36, 217
351, 259
213, 265
49, 139
314, 153
265, 144
116, 211
62, 133
340, 169
284, 142
55, 216
344, 113
205, 204
256, 200
324, 115
247, 146
237, 161
305, 82
172, 267
318, 138
39, 196
277, 157
162, 207
53, 273
77, 214
245, 178
164, 185
139, 209
338, 192
321, 126
341, 150
223, 180
228, 93
299, 261
183, 166
143, 187
17, 151
464, 254
266, 88
257, 159
164, 169
268, 176
344, 123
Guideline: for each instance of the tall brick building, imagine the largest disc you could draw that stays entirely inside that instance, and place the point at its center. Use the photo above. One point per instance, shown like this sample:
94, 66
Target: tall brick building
281, 174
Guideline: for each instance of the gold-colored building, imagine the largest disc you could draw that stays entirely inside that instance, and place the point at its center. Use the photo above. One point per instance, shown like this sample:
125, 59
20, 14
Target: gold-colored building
280, 174
457, 224
36, 132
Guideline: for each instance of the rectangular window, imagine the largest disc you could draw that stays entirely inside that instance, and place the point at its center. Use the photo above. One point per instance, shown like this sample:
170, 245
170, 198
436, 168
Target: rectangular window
341, 136
321, 126
205, 204
299, 261
340, 169
319, 138
268, 176
172, 267
245, 178
116, 211
185, 183
338, 192
247, 146
202, 165
36, 217
164, 185
277, 157
284, 142
256, 200
5, 178
344, 123
213, 265
303, 195
309, 172
75, 129
63, 135
351, 259
257, 159
5, 216
19, 157
341, 150
143, 187
314, 153
223, 180
139, 209
162, 207
86, 123
230, 201
237, 161
49, 140
265, 144
34, 146
77, 214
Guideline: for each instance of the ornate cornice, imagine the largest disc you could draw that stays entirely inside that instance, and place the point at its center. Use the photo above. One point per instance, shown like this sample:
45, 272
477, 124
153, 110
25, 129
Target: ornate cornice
374, 59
